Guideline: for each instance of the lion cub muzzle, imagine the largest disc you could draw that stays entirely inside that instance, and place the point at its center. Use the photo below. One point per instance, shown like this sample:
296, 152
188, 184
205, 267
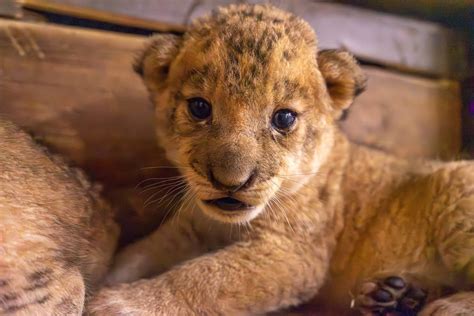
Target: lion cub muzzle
230, 173
249, 179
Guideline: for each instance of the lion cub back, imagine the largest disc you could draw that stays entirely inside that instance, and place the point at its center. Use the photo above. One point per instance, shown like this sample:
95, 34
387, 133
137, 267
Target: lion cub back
56, 234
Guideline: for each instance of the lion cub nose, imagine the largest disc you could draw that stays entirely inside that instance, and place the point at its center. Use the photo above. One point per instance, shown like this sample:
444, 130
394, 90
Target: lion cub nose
225, 182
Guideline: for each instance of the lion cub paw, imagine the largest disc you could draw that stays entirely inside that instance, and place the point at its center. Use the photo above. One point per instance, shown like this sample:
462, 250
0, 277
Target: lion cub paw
389, 296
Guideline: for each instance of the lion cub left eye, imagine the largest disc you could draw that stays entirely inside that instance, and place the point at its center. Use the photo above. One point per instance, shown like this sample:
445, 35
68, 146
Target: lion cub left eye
199, 108
283, 119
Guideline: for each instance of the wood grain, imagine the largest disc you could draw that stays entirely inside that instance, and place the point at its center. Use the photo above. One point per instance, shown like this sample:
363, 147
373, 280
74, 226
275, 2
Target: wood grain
10, 9
407, 116
401, 43
162, 16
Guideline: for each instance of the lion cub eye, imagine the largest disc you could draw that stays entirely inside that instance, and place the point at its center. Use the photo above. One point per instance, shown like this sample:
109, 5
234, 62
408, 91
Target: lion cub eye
199, 108
283, 119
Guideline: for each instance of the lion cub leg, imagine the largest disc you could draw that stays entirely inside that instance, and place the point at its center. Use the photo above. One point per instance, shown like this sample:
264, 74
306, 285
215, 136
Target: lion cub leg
453, 229
450, 218
454, 235
172, 243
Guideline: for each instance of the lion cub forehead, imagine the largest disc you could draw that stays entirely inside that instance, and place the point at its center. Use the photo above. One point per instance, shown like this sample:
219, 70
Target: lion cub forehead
252, 29
248, 48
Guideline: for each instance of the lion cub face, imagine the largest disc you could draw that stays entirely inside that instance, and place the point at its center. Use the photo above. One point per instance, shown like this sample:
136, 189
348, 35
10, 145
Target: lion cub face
243, 108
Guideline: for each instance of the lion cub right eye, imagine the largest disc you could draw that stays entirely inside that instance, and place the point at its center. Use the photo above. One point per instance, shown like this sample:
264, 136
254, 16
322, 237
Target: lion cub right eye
199, 108
283, 120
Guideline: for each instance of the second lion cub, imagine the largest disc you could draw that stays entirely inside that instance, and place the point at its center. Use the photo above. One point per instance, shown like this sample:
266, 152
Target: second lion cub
57, 235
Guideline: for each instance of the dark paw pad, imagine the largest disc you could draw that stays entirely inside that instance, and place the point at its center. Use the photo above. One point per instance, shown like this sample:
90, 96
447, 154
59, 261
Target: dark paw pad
389, 296
412, 301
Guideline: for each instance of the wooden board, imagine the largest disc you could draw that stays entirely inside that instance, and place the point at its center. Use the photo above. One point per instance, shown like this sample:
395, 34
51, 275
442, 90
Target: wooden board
153, 15
402, 43
429, 6
408, 116
77, 89
10, 9
74, 89
406, 44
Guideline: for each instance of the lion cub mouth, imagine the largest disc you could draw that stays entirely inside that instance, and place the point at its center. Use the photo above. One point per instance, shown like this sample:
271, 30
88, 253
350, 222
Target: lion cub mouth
229, 204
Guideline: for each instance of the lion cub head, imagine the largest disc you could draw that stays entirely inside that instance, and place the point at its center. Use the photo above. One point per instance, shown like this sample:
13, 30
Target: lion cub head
245, 105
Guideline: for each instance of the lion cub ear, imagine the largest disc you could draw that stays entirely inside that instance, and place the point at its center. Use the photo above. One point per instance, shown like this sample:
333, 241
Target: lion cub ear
344, 78
153, 62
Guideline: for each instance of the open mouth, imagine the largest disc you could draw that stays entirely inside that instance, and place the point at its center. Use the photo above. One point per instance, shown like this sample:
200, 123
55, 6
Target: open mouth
229, 204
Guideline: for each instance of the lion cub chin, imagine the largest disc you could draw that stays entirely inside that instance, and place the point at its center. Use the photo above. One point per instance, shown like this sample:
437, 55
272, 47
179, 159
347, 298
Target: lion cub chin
56, 235
280, 206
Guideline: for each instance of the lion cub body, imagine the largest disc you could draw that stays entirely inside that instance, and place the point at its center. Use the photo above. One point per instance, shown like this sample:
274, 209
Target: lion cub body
322, 215
56, 235
409, 218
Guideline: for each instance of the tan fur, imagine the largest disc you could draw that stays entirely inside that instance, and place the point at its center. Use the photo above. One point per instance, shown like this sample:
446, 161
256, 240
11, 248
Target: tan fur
56, 235
328, 214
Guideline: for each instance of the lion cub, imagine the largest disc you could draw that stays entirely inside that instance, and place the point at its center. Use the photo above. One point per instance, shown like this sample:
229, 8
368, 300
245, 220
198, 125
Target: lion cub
280, 206
56, 235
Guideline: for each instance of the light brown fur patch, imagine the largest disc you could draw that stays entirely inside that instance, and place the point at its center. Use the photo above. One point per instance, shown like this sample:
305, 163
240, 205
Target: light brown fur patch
327, 214
56, 235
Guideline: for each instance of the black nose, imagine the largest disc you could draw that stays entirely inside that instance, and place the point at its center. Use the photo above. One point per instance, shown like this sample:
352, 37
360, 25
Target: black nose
231, 188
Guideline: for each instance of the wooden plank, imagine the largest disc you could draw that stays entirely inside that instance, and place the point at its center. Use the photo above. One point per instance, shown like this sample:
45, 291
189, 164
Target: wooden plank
406, 44
410, 45
160, 16
75, 91
80, 95
407, 116
10, 9
429, 7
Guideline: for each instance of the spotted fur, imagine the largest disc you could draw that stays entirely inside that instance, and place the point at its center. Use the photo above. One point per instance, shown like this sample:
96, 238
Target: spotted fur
56, 235
327, 214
